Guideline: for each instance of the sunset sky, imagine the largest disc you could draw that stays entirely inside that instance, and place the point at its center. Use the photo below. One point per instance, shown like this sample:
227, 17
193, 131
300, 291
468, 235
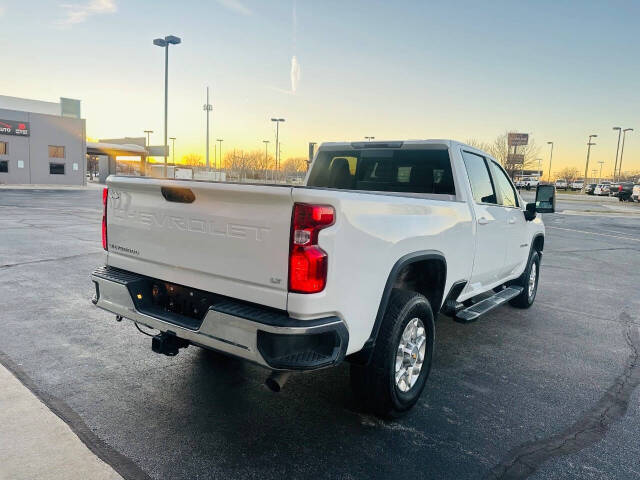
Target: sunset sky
394, 70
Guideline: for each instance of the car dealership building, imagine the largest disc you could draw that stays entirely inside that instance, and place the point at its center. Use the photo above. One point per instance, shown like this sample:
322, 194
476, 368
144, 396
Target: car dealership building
42, 142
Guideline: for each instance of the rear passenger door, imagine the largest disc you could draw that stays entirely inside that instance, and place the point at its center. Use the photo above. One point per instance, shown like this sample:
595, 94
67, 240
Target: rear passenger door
490, 225
516, 233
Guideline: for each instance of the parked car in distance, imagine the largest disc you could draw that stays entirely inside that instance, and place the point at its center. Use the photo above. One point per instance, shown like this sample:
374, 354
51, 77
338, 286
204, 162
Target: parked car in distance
635, 194
561, 183
589, 189
528, 182
577, 185
622, 190
602, 189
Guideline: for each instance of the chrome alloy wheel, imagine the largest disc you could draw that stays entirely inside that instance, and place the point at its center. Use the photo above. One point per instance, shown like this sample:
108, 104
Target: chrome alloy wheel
532, 279
410, 354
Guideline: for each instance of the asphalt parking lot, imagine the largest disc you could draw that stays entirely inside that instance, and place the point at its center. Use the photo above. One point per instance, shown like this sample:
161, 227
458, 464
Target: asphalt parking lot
549, 392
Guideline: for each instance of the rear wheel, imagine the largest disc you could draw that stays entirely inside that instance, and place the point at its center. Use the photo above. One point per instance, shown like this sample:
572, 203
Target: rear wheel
529, 283
400, 363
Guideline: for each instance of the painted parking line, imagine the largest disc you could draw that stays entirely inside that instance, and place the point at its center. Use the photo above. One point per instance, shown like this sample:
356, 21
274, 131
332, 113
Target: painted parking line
594, 233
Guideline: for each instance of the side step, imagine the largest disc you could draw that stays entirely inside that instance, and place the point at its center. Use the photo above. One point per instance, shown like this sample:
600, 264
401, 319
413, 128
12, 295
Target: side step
474, 311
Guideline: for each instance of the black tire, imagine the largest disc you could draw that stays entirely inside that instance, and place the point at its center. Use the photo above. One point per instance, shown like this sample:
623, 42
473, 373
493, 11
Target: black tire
374, 384
525, 299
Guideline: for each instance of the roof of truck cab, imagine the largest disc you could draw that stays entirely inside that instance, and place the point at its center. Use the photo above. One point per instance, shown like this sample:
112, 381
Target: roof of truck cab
401, 144
436, 141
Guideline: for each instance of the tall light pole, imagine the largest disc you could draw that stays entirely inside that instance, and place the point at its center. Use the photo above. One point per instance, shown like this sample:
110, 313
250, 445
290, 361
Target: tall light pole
369, 138
165, 42
277, 120
312, 147
550, 159
586, 167
207, 107
624, 134
615, 166
148, 132
539, 168
219, 140
173, 149
266, 159
601, 162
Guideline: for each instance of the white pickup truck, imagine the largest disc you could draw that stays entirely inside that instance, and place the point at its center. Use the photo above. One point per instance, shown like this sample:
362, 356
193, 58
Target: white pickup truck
353, 265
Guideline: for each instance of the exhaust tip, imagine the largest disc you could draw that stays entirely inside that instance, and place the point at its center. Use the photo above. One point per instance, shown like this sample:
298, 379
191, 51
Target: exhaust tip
272, 385
275, 382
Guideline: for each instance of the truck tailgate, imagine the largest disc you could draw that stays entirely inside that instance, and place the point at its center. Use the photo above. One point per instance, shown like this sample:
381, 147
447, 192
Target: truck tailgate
230, 239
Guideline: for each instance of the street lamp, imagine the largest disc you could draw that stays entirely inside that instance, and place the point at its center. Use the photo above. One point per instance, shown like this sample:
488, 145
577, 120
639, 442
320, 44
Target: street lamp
550, 159
624, 134
266, 159
173, 149
615, 166
219, 140
539, 168
277, 120
369, 138
148, 132
207, 107
601, 162
165, 42
586, 167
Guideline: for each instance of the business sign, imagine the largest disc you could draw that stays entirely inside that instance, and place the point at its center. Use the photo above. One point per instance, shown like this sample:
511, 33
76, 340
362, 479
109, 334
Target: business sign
11, 127
515, 158
158, 150
518, 139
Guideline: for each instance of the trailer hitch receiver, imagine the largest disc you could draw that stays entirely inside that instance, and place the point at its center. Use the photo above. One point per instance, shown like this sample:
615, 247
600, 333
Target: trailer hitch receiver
167, 343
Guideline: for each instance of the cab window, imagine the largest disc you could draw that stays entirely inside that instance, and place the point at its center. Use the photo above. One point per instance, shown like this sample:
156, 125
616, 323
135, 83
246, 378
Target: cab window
506, 193
481, 185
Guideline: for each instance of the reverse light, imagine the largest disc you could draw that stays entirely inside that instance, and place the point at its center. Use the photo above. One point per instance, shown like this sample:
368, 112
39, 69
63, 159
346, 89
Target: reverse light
105, 195
307, 261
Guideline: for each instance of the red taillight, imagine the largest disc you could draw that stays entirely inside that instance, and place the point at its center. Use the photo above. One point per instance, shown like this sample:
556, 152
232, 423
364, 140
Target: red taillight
620, 188
105, 194
307, 261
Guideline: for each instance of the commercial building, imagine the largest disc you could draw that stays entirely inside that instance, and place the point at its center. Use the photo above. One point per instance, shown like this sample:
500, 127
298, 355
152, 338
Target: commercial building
42, 142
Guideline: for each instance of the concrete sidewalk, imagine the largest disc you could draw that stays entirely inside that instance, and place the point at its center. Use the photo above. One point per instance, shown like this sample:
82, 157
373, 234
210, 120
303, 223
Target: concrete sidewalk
36, 444
33, 186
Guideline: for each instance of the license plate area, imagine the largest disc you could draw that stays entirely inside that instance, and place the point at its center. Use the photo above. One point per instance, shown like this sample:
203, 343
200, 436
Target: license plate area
178, 304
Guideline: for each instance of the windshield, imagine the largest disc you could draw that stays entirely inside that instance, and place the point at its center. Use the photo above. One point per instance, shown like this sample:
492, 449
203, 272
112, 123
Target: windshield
384, 170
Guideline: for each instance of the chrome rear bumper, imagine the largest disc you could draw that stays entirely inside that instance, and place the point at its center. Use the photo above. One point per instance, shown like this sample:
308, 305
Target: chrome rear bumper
264, 336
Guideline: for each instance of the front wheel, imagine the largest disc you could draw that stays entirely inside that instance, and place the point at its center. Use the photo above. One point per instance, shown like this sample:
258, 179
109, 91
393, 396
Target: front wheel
529, 283
401, 360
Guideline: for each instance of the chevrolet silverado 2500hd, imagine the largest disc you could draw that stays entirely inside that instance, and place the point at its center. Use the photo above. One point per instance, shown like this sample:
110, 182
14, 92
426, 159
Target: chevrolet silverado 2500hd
354, 265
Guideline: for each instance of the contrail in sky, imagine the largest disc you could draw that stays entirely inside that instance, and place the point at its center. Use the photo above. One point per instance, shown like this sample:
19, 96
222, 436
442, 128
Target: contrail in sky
295, 65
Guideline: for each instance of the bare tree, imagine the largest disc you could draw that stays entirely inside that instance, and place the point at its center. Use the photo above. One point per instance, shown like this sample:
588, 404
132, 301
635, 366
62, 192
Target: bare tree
500, 150
246, 165
630, 176
479, 144
294, 166
192, 159
570, 174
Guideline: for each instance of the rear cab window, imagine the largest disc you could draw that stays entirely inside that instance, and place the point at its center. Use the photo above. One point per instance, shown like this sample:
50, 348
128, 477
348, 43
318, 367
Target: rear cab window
425, 171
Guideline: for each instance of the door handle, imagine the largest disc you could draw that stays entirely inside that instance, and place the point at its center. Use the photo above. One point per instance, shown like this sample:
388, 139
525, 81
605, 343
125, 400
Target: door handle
512, 221
483, 220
